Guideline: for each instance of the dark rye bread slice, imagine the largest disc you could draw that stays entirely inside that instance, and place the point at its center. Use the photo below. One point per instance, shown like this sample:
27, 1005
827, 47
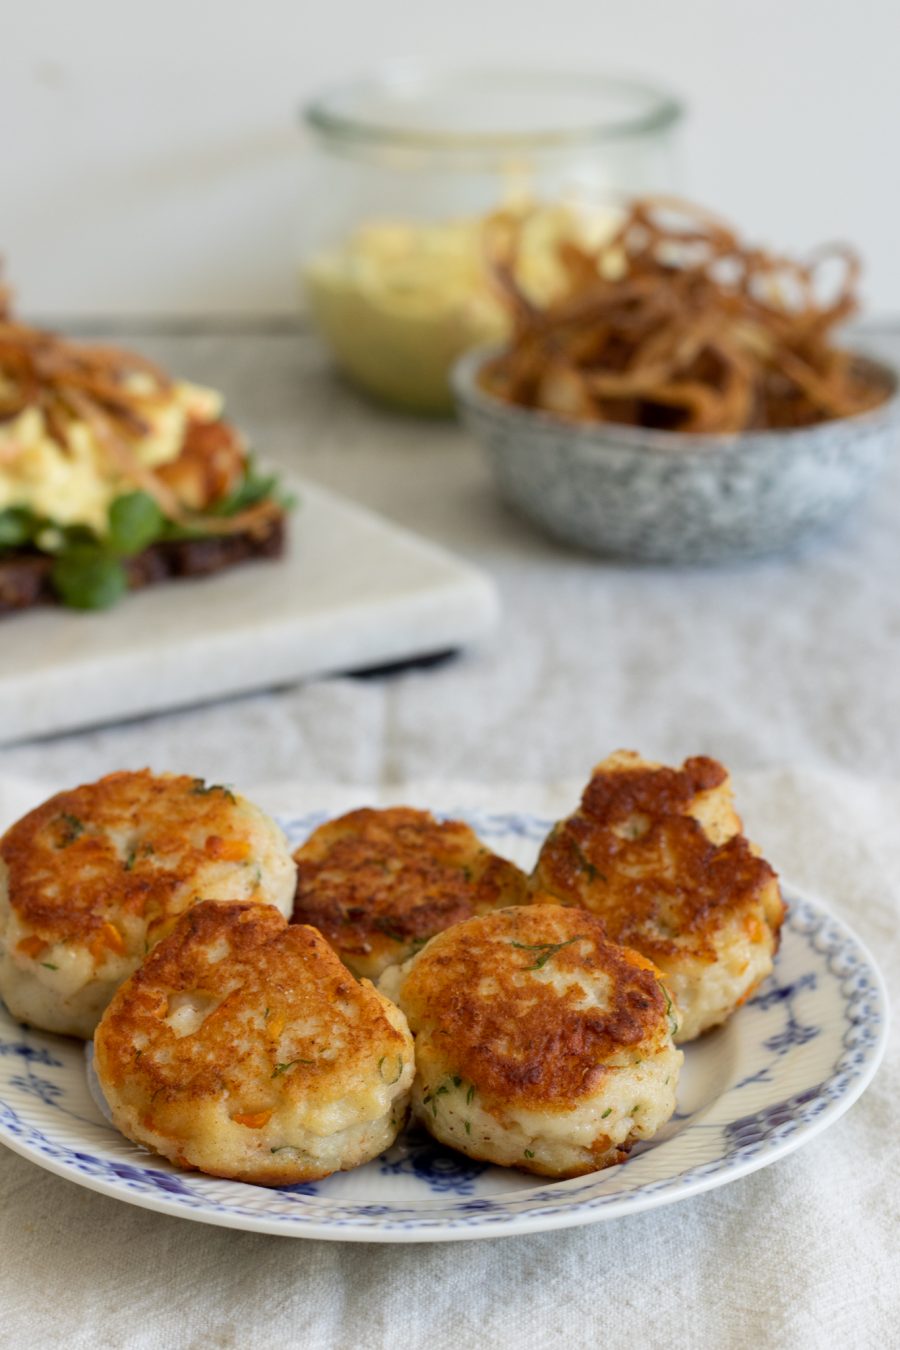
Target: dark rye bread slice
25, 575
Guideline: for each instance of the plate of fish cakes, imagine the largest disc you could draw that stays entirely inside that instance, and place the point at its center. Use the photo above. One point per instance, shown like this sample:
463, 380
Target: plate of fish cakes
474, 1022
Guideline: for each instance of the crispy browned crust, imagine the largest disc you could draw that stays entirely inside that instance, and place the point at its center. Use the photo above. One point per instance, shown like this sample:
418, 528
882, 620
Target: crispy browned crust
377, 882
67, 878
634, 855
282, 1000
25, 576
524, 1043
209, 467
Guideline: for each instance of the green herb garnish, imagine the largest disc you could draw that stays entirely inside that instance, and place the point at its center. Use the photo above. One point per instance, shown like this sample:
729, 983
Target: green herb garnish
430, 1098
607, 1112
254, 487
390, 1081
85, 576
133, 853
670, 1010
283, 1068
585, 865
48, 965
202, 789
88, 571
17, 527
74, 829
470, 1095
135, 521
548, 950
529, 1153
468, 1125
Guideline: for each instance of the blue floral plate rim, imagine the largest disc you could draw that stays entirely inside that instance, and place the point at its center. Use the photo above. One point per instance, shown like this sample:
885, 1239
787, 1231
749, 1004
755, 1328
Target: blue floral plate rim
796, 1058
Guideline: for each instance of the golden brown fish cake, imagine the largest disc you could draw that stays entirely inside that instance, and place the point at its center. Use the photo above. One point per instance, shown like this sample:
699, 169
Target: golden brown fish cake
380, 883
244, 1048
91, 879
657, 853
540, 1044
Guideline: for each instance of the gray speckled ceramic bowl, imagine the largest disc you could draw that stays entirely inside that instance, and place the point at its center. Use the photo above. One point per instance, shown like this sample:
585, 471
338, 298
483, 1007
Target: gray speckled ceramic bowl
663, 496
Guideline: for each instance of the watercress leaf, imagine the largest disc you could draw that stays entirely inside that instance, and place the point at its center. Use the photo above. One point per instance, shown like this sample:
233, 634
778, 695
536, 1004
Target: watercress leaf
88, 578
254, 487
17, 527
135, 520
71, 536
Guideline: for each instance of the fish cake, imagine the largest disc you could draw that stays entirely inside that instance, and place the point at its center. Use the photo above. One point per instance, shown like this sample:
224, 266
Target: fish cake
540, 1044
659, 856
244, 1048
380, 883
91, 879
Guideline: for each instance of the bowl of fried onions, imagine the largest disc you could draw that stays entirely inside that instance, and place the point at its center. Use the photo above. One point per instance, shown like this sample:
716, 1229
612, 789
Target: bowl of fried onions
682, 399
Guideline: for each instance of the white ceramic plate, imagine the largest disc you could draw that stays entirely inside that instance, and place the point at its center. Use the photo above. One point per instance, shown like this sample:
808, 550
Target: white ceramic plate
786, 1066
354, 591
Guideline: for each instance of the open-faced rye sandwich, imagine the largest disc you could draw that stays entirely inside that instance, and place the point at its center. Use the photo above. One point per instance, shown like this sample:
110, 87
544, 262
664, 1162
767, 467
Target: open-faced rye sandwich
114, 476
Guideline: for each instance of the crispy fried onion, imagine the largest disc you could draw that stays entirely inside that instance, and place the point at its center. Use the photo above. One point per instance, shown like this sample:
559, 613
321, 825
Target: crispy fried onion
76, 382
674, 323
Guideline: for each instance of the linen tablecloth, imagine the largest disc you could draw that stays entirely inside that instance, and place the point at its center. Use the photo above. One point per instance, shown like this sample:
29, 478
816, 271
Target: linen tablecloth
786, 670
804, 1253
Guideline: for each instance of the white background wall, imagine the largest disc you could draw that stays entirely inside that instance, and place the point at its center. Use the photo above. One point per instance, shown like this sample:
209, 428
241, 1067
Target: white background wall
149, 154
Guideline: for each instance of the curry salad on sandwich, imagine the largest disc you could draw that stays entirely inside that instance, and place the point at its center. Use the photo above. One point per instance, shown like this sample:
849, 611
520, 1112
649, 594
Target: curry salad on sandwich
114, 476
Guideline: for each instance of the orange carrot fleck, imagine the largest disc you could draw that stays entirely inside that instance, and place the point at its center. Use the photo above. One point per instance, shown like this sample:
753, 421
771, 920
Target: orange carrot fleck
108, 939
254, 1120
113, 937
754, 927
228, 850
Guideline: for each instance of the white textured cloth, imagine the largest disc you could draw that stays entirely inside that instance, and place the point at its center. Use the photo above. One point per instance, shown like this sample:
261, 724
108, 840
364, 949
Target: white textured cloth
805, 1253
786, 670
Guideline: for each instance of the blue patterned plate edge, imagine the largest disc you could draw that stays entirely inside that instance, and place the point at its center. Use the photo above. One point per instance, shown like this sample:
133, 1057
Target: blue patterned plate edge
716, 1143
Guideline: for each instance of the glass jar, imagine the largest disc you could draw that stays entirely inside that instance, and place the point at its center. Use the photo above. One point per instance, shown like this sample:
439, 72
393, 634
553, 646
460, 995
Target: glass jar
407, 169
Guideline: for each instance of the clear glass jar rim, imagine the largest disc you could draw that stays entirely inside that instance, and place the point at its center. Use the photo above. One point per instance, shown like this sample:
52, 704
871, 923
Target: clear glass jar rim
320, 113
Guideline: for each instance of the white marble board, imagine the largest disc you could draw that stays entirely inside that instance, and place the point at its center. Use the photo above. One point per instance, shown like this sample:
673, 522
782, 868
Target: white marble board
354, 591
